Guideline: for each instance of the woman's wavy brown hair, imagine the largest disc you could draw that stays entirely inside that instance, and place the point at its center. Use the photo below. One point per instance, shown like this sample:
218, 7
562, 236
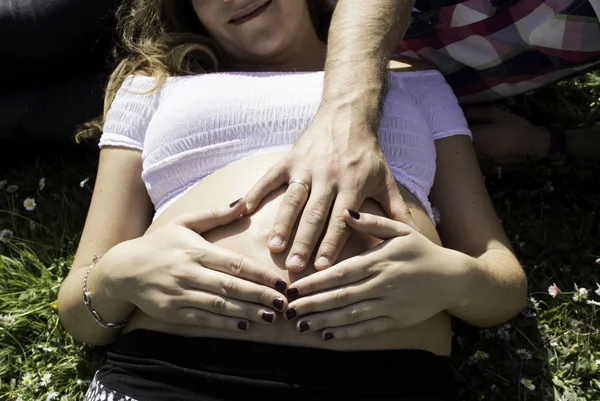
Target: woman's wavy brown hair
162, 38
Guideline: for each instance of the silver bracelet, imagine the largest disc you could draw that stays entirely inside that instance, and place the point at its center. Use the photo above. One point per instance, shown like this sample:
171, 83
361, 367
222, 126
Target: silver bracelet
88, 302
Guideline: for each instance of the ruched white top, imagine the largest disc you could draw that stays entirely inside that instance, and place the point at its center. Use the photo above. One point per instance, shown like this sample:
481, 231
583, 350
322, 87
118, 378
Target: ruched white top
192, 126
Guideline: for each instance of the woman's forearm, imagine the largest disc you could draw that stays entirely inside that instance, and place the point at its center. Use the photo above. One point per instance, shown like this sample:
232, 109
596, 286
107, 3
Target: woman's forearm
362, 38
493, 289
73, 313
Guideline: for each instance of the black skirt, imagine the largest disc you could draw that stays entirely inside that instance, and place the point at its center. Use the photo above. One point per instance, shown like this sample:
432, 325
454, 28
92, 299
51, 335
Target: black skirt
147, 365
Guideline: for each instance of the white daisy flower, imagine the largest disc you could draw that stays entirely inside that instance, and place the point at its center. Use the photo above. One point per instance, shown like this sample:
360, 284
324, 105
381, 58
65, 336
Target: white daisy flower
3, 184
29, 204
590, 302
504, 332
487, 334
553, 290
524, 354
42, 183
534, 303
478, 356
45, 380
79, 382
528, 384
8, 320
82, 183
11, 189
28, 380
580, 294
52, 395
6, 235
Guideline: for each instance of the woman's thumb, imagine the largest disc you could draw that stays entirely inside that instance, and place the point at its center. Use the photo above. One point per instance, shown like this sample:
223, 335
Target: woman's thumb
205, 220
376, 226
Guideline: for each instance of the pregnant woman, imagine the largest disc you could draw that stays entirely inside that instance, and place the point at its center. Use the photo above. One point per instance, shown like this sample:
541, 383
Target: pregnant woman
186, 291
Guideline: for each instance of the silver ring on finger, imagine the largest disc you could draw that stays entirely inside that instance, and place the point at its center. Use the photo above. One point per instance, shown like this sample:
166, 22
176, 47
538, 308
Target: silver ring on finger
301, 182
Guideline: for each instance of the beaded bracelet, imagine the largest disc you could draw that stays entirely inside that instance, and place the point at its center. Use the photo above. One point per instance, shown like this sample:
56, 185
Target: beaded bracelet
88, 302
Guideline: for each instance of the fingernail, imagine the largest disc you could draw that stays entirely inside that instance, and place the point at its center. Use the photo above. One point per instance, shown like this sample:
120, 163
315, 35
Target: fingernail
278, 303
268, 316
290, 313
295, 262
322, 262
232, 204
354, 215
328, 336
280, 286
292, 293
276, 241
303, 327
243, 326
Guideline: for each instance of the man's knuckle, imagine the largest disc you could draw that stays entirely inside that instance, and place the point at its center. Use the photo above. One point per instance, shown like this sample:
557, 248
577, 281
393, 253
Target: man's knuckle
315, 217
338, 225
281, 227
294, 199
302, 247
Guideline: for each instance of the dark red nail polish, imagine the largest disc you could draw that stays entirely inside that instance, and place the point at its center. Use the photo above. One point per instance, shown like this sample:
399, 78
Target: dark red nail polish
354, 215
328, 336
304, 326
268, 317
232, 204
290, 313
280, 286
292, 293
243, 326
278, 303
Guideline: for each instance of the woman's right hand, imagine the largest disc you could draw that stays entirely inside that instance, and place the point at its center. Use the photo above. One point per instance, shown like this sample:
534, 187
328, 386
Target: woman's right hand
174, 275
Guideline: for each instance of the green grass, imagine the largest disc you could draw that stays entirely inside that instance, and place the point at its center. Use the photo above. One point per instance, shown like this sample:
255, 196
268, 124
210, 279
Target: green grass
549, 209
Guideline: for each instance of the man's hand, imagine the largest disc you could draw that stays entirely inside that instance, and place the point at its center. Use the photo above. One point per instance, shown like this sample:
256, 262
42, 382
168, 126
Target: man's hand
338, 155
341, 171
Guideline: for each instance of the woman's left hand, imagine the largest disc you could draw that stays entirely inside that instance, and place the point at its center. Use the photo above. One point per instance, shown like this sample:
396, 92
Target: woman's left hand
401, 282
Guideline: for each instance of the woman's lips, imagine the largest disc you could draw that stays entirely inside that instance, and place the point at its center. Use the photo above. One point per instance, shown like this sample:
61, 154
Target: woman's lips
250, 12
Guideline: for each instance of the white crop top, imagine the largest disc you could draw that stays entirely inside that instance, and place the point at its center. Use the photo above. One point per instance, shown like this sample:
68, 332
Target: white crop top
192, 126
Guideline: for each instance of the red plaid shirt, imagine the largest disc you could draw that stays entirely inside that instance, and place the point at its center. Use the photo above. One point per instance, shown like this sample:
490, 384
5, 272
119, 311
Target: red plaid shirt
491, 49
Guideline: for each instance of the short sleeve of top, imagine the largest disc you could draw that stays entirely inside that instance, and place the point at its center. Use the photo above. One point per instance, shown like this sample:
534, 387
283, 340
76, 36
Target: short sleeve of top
439, 104
130, 113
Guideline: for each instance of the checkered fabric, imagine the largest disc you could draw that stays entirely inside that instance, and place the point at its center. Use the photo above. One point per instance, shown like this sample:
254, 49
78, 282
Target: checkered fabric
492, 49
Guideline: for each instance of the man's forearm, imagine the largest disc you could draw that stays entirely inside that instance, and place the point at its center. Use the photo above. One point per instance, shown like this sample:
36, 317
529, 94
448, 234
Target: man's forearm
362, 38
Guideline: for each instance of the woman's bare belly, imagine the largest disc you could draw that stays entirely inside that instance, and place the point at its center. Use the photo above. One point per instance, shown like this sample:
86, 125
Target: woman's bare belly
249, 235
